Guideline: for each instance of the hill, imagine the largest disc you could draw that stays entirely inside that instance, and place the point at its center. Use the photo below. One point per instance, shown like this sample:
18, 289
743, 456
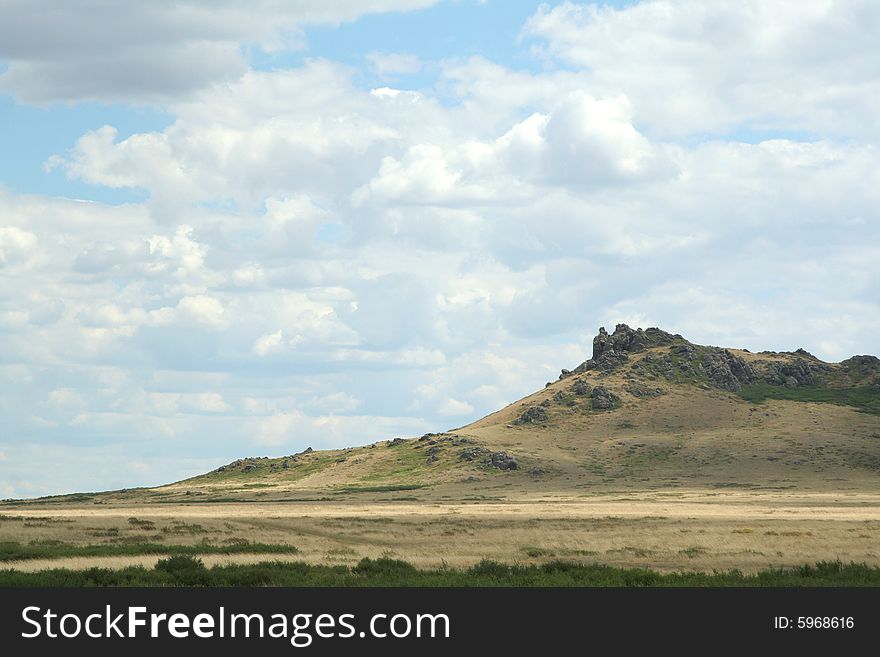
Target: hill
649, 410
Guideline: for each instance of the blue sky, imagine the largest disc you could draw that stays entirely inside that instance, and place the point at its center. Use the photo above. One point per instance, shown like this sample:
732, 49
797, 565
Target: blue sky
249, 229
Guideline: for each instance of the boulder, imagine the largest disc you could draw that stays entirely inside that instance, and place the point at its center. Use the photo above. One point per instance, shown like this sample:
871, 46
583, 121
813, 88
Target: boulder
562, 397
533, 415
800, 372
726, 370
502, 461
641, 390
863, 365
602, 399
471, 454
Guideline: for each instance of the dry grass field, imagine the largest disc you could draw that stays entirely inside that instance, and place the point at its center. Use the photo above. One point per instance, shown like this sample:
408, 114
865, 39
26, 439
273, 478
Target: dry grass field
681, 530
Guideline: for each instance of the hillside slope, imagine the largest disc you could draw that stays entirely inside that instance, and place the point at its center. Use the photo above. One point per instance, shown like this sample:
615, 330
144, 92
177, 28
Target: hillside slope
649, 411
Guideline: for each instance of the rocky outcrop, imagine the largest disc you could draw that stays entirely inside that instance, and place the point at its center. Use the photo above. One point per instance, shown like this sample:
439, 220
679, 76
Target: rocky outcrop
627, 340
607, 362
610, 351
499, 460
862, 365
563, 397
502, 461
719, 368
432, 454
244, 465
532, 415
471, 453
726, 370
801, 372
602, 399
643, 391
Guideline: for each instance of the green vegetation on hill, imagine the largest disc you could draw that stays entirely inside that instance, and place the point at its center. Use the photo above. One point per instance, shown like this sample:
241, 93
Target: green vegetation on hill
864, 398
181, 570
390, 488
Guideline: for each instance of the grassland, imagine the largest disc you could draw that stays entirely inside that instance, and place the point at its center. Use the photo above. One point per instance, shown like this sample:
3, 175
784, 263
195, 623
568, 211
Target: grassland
667, 531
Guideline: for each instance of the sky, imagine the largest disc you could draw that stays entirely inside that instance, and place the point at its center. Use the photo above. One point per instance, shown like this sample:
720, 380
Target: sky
233, 229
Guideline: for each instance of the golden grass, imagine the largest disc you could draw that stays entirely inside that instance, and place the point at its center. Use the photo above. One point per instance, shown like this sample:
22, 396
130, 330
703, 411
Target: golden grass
680, 530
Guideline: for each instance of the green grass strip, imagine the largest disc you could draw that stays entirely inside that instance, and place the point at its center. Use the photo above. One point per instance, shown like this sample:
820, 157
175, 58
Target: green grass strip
865, 398
183, 570
13, 551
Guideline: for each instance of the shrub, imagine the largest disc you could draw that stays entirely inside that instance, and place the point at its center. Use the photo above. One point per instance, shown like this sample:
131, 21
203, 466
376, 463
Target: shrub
185, 569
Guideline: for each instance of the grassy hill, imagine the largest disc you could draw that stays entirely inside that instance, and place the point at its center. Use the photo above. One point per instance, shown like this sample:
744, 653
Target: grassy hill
649, 410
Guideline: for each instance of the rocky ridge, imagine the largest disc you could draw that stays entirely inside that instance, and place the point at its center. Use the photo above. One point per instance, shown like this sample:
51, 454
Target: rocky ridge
673, 359
685, 362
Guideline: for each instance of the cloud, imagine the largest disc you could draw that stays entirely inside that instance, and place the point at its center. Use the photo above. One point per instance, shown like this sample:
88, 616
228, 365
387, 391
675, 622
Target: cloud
169, 404
697, 67
265, 344
279, 429
17, 246
202, 310
452, 406
294, 429
151, 52
246, 143
582, 143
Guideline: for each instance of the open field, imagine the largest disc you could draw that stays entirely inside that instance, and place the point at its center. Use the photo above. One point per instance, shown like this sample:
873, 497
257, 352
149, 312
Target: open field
682, 530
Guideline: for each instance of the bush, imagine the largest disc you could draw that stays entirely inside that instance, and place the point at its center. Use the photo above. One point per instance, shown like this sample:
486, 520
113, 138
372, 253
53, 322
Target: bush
185, 570
492, 569
384, 567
